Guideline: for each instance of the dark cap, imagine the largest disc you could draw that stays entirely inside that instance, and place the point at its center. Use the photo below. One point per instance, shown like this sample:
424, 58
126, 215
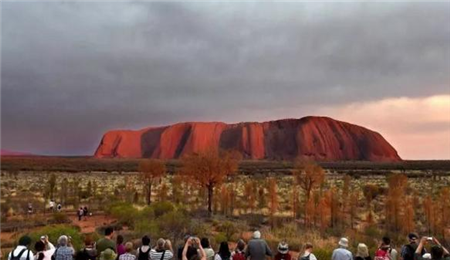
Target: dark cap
413, 236
24, 241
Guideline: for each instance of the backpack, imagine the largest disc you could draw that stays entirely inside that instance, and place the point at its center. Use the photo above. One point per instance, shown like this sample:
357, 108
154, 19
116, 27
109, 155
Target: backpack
239, 256
305, 257
383, 255
143, 255
54, 254
20, 255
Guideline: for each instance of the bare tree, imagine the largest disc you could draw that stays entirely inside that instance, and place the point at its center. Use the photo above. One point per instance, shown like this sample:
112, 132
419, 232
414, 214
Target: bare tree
151, 171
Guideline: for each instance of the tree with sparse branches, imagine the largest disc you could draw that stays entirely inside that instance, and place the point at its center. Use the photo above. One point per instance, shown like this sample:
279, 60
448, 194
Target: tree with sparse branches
151, 171
209, 170
308, 175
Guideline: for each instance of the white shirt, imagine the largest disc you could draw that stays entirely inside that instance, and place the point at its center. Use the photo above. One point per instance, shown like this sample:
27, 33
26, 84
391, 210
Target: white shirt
47, 253
311, 256
154, 255
17, 251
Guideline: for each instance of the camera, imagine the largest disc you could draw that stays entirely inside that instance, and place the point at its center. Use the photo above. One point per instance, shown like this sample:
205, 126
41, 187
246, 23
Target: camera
430, 238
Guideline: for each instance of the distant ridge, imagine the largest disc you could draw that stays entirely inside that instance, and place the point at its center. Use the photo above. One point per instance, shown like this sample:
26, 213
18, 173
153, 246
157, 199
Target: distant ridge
317, 138
4, 152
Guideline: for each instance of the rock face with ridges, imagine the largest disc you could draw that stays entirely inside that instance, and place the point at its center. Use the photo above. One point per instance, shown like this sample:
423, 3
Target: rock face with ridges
318, 138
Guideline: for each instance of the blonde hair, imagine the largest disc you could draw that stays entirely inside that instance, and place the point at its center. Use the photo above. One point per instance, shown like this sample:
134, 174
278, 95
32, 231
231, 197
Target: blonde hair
160, 244
362, 250
128, 247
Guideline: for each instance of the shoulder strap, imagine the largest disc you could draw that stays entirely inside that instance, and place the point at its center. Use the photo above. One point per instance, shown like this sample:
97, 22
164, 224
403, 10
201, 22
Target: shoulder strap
20, 254
162, 256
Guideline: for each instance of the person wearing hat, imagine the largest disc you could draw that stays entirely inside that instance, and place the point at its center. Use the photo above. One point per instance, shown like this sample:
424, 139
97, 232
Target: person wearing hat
308, 255
342, 253
21, 252
108, 254
408, 250
283, 252
65, 250
438, 252
257, 248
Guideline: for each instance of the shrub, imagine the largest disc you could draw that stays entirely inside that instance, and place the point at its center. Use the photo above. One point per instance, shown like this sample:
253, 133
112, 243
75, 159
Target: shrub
322, 254
143, 227
228, 229
162, 207
173, 224
124, 212
60, 218
220, 237
55, 231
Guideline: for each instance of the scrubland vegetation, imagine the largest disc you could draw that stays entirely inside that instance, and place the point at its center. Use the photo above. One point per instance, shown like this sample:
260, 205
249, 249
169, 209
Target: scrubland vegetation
216, 197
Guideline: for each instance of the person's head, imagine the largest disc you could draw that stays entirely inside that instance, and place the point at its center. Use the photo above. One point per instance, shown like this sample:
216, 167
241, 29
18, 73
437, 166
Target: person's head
257, 234
192, 254
343, 242
224, 250
24, 241
240, 245
283, 248
413, 237
63, 240
205, 242
386, 241
168, 245
108, 254
437, 252
362, 250
308, 247
145, 241
119, 239
88, 241
39, 246
160, 244
109, 231
128, 247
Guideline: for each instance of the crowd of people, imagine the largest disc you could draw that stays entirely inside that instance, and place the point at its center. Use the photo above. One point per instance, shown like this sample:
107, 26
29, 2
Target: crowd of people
195, 248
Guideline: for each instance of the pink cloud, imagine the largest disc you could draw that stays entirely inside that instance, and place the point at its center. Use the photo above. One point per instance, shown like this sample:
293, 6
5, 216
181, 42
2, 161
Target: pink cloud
419, 128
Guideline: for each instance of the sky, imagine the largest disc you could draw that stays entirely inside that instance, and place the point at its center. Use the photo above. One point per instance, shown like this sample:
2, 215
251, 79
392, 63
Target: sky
70, 71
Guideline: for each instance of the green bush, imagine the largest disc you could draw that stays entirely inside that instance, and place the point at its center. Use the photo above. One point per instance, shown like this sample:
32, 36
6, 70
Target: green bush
173, 225
322, 254
229, 229
55, 231
60, 218
162, 207
220, 237
124, 212
143, 227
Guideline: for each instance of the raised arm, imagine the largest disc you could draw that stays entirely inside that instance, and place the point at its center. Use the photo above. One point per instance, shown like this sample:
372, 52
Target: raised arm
443, 248
202, 251
423, 240
185, 249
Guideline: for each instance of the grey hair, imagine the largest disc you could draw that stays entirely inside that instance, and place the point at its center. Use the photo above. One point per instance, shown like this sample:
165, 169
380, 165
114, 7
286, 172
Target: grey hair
63, 240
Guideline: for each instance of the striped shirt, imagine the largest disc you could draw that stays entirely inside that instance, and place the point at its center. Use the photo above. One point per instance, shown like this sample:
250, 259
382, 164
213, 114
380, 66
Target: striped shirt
157, 255
127, 256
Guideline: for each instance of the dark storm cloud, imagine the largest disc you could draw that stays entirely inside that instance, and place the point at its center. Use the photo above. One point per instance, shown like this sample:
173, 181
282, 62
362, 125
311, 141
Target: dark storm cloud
71, 71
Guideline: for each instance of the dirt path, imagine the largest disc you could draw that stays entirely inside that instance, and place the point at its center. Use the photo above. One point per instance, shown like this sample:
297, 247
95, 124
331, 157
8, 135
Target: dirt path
91, 223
